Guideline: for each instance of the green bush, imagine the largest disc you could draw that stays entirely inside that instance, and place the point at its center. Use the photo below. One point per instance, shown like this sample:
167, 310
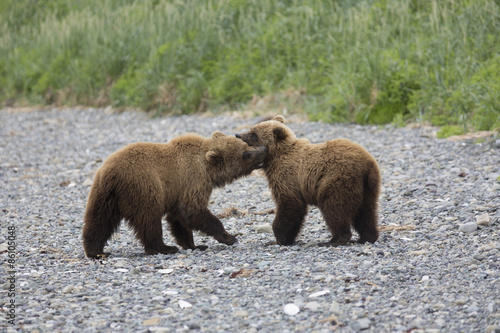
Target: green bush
449, 130
368, 61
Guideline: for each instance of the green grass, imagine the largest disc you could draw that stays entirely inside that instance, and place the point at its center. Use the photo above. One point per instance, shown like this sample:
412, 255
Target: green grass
376, 61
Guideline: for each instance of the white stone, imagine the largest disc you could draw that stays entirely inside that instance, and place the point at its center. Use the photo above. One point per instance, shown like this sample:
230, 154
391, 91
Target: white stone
335, 307
264, 229
313, 306
291, 309
184, 305
319, 293
67, 289
4, 247
468, 227
87, 182
165, 271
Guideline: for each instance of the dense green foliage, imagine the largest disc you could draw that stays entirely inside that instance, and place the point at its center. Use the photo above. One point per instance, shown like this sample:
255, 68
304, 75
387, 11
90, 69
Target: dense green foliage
367, 61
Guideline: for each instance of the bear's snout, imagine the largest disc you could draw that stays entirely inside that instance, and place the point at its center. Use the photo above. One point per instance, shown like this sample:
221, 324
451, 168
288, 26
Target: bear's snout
250, 138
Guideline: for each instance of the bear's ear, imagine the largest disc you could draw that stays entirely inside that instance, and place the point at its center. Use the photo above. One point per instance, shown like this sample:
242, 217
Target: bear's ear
217, 134
214, 158
279, 134
281, 119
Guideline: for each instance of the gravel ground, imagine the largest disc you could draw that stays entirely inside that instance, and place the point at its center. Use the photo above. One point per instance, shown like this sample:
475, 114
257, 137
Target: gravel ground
435, 267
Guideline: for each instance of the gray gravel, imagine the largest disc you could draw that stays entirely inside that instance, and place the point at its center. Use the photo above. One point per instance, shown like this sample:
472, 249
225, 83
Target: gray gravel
435, 267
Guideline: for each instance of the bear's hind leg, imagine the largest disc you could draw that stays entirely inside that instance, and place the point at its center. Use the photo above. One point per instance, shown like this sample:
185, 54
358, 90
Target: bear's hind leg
148, 229
339, 225
99, 226
365, 222
182, 235
288, 221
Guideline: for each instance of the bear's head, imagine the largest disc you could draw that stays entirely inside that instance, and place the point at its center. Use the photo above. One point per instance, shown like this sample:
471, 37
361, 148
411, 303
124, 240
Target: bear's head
272, 134
230, 158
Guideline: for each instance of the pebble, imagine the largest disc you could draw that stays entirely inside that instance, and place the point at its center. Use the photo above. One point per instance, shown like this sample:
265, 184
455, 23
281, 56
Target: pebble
380, 287
319, 293
493, 329
68, 289
184, 305
264, 228
291, 309
468, 227
241, 313
483, 219
313, 306
151, 321
361, 324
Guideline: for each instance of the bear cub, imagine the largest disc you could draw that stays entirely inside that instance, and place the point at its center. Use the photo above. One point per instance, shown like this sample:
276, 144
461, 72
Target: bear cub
143, 182
339, 177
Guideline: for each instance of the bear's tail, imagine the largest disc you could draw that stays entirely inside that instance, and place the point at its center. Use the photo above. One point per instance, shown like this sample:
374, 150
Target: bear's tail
102, 216
367, 218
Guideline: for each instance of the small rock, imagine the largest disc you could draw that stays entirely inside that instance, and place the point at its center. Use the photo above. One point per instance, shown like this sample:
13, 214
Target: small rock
50, 288
361, 324
472, 308
241, 313
479, 256
192, 326
207, 290
67, 289
335, 307
151, 321
461, 301
264, 229
492, 329
313, 306
120, 264
184, 305
319, 293
263, 264
291, 309
483, 219
4, 247
87, 182
165, 271
468, 227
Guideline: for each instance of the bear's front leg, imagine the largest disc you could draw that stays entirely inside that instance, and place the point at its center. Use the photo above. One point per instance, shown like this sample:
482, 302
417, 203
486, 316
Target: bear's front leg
288, 221
204, 221
183, 236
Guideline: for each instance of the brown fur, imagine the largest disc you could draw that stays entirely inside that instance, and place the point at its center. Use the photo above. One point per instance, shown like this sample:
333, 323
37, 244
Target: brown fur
142, 182
339, 177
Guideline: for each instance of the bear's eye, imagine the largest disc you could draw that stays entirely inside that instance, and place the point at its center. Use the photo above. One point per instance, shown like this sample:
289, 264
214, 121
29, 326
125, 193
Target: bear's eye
246, 155
254, 137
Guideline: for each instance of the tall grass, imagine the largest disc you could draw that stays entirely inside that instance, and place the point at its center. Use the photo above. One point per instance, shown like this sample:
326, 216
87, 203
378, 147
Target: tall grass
338, 60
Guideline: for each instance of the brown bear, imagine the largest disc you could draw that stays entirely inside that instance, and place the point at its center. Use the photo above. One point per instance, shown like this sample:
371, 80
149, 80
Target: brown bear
142, 182
339, 177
